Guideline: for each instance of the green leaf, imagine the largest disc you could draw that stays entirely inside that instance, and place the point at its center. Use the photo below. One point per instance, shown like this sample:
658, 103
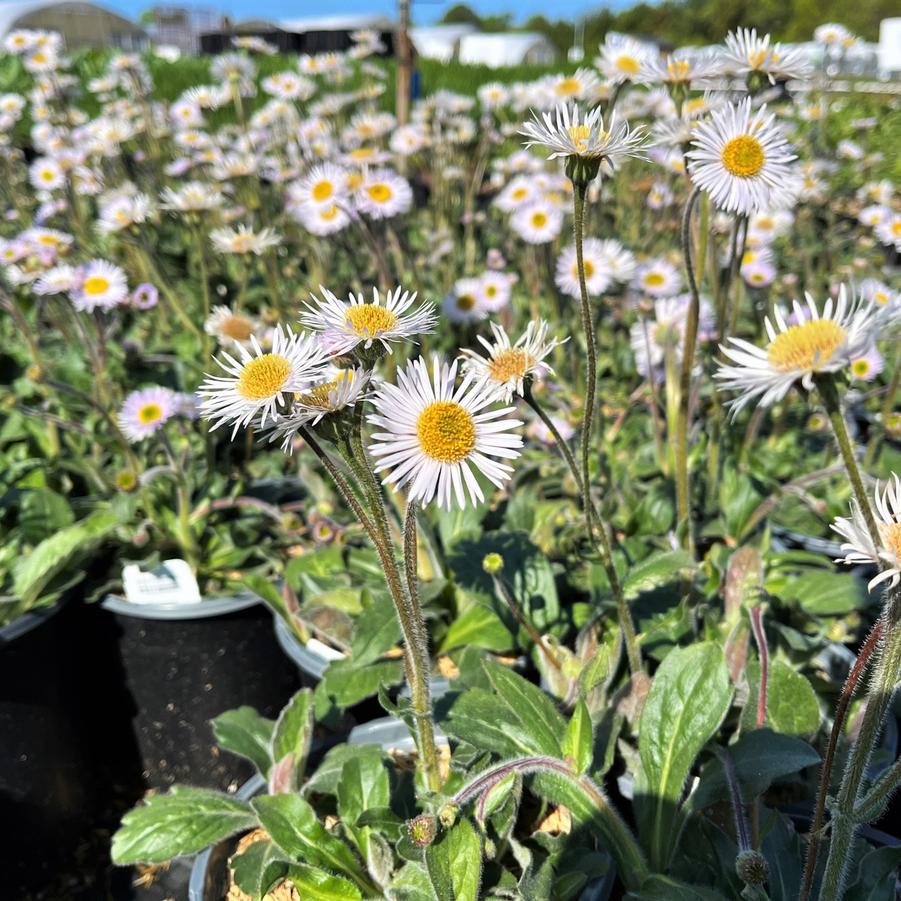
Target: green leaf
689, 697
454, 863
258, 867
43, 513
578, 742
327, 776
364, 784
316, 885
348, 684
377, 630
184, 821
477, 718
245, 733
827, 593
479, 626
36, 571
293, 731
876, 876
530, 705
294, 827
596, 670
663, 888
792, 706
760, 757
656, 570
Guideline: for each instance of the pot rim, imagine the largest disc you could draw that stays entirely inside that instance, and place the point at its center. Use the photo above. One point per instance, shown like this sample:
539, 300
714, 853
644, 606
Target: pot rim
218, 605
29, 621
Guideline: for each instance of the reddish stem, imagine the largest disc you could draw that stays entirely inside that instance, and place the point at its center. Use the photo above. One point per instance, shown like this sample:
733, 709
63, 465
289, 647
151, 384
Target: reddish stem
764, 654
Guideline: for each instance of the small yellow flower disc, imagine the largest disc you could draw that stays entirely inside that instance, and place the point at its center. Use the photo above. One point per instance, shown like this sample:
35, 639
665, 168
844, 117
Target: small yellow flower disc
379, 192
264, 377
96, 285
446, 431
509, 364
743, 156
367, 319
809, 346
150, 413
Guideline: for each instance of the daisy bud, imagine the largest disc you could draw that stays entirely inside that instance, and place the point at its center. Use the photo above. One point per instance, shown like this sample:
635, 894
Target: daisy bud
422, 830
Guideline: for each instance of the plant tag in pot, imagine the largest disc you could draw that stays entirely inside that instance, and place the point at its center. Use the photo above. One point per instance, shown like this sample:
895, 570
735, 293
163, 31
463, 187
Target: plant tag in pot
172, 582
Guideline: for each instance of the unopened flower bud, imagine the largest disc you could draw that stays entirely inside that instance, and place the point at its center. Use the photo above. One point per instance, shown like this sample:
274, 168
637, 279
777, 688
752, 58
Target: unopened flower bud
422, 830
448, 814
752, 868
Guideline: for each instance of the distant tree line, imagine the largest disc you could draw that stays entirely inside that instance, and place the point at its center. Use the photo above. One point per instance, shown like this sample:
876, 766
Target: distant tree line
681, 22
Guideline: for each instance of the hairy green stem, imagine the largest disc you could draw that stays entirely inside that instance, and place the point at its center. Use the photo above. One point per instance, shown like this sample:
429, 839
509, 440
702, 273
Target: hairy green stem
595, 524
884, 682
688, 357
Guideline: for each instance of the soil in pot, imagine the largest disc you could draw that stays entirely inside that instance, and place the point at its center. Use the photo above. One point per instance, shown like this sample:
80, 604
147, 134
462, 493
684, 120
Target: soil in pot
182, 672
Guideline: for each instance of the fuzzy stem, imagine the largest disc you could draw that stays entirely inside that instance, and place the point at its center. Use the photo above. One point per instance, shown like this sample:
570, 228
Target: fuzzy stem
885, 680
688, 356
873, 804
602, 543
826, 386
851, 682
764, 655
520, 616
630, 861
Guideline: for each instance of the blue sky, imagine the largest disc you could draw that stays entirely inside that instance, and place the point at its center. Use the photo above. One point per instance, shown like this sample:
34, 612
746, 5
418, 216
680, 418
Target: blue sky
424, 11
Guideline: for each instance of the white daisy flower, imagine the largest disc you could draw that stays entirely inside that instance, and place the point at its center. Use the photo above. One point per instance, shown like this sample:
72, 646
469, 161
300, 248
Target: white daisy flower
462, 305
101, 285
507, 365
815, 343
746, 53
517, 193
437, 436
596, 263
59, 280
341, 390
227, 326
538, 223
46, 174
658, 278
859, 547
680, 69
144, 412
383, 194
323, 186
741, 160
570, 133
321, 220
583, 84
624, 59
345, 324
889, 231
873, 215
194, 196
495, 289
123, 212
244, 240
259, 384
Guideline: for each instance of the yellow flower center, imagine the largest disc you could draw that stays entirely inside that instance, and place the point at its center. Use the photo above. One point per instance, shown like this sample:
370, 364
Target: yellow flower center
806, 347
379, 192
95, 285
880, 297
539, 219
368, 319
466, 302
679, 69
891, 537
320, 396
490, 290
329, 214
860, 368
568, 87
520, 193
896, 227
238, 328
48, 175
446, 431
580, 134
588, 266
264, 377
510, 364
361, 153
628, 64
150, 413
756, 58
652, 279
743, 156
322, 190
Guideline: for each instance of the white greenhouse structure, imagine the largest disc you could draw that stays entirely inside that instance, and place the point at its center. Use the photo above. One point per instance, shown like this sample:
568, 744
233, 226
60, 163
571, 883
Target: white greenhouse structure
506, 49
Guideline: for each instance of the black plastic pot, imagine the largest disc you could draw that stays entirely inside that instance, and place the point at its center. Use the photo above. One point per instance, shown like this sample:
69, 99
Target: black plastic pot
186, 664
47, 783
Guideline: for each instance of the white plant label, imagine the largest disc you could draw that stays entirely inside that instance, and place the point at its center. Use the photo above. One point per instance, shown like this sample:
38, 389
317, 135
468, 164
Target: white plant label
172, 582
